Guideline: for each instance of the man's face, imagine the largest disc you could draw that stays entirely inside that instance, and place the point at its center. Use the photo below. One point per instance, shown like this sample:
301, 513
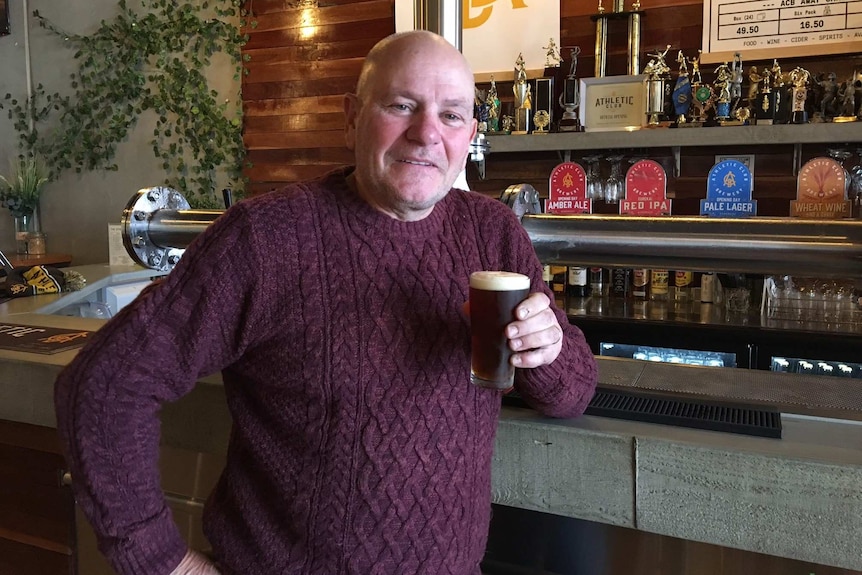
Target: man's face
411, 127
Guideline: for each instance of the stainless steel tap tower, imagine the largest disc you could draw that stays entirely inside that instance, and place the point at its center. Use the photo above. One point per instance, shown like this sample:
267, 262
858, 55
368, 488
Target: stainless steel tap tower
158, 225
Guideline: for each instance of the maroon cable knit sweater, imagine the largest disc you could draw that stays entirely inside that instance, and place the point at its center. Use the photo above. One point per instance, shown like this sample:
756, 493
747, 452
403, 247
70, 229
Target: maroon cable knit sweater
359, 445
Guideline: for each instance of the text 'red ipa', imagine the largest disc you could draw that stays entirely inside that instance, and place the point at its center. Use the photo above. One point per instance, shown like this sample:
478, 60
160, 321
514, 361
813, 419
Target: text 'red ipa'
493, 298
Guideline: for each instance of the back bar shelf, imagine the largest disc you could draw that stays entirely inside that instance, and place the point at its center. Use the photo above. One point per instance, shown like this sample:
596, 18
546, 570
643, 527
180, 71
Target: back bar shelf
823, 133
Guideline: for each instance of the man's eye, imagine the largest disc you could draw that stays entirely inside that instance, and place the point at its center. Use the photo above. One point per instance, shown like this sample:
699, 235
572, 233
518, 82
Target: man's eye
400, 107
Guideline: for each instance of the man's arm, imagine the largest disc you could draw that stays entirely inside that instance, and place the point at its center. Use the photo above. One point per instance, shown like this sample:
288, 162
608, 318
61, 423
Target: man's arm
108, 398
557, 371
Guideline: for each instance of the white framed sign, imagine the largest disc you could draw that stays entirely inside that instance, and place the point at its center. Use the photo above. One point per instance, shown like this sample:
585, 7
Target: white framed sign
613, 103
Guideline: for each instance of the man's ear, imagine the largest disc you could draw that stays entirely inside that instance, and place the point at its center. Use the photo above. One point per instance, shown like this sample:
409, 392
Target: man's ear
351, 110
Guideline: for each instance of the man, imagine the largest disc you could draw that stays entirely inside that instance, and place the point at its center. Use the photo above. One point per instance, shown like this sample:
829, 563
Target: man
334, 310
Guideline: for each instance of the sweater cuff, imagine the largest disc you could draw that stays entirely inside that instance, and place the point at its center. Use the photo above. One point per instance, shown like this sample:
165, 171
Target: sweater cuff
156, 548
563, 388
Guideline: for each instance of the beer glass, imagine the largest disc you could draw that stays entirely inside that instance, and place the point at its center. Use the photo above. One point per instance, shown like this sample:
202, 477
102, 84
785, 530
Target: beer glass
493, 298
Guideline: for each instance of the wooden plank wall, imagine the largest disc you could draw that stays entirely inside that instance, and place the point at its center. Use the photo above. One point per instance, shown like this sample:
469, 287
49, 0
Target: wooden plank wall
302, 59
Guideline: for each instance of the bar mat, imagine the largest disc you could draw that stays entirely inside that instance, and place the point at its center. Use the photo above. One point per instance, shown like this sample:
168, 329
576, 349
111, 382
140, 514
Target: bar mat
680, 412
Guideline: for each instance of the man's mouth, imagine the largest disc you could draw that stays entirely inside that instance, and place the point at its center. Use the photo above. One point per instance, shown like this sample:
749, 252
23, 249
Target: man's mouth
416, 162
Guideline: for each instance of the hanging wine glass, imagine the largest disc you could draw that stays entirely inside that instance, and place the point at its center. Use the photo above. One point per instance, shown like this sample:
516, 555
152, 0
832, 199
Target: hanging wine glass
615, 184
856, 183
841, 155
595, 188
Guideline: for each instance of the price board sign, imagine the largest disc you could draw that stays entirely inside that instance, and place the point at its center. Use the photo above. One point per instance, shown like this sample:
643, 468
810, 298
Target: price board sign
763, 29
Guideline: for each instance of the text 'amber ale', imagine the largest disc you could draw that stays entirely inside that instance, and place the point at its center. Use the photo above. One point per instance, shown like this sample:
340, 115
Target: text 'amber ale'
494, 295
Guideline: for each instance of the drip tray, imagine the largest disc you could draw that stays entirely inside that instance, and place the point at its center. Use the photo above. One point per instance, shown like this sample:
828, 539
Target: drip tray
681, 412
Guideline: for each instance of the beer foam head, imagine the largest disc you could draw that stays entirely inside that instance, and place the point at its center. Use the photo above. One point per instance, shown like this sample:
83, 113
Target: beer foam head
499, 281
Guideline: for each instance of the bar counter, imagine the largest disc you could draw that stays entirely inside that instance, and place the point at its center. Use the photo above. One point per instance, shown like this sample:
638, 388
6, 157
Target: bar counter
798, 497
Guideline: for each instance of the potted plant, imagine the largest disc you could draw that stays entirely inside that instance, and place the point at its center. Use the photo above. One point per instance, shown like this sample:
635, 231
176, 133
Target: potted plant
20, 193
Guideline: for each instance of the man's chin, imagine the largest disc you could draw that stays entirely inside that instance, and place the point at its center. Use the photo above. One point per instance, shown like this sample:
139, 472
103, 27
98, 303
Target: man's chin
419, 193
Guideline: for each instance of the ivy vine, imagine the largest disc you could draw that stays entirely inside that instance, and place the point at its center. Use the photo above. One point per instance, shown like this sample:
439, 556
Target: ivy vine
152, 61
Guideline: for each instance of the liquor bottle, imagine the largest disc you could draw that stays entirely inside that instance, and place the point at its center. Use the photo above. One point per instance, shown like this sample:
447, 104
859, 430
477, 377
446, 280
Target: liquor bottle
547, 277
558, 280
597, 282
683, 282
658, 288
577, 285
707, 287
620, 283
640, 283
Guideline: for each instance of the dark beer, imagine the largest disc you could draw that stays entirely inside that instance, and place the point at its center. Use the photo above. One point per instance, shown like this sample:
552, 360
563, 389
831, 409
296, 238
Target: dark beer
493, 298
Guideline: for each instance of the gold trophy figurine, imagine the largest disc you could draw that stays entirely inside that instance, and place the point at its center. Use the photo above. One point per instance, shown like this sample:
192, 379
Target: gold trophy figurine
722, 88
658, 87
702, 94
493, 102
552, 56
798, 95
541, 119
681, 94
523, 98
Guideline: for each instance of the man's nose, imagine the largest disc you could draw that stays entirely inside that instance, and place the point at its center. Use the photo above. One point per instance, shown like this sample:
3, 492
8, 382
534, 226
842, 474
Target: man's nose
425, 128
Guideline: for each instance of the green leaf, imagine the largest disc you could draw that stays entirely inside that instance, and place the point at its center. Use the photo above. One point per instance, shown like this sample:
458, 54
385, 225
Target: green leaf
133, 63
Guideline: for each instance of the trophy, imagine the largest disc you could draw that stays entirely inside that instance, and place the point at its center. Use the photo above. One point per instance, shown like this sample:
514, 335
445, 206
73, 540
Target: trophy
828, 101
735, 83
754, 79
541, 119
847, 106
764, 111
783, 90
552, 56
767, 101
602, 20
701, 94
523, 98
481, 111
722, 87
682, 91
658, 87
798, 95
493, 103
570, 97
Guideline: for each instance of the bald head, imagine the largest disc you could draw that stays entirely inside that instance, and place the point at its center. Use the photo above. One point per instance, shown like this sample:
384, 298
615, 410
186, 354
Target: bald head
397, 49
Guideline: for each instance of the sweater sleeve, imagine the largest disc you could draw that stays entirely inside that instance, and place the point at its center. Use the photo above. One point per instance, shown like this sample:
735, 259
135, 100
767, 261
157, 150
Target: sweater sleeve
107, 400
565, 387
